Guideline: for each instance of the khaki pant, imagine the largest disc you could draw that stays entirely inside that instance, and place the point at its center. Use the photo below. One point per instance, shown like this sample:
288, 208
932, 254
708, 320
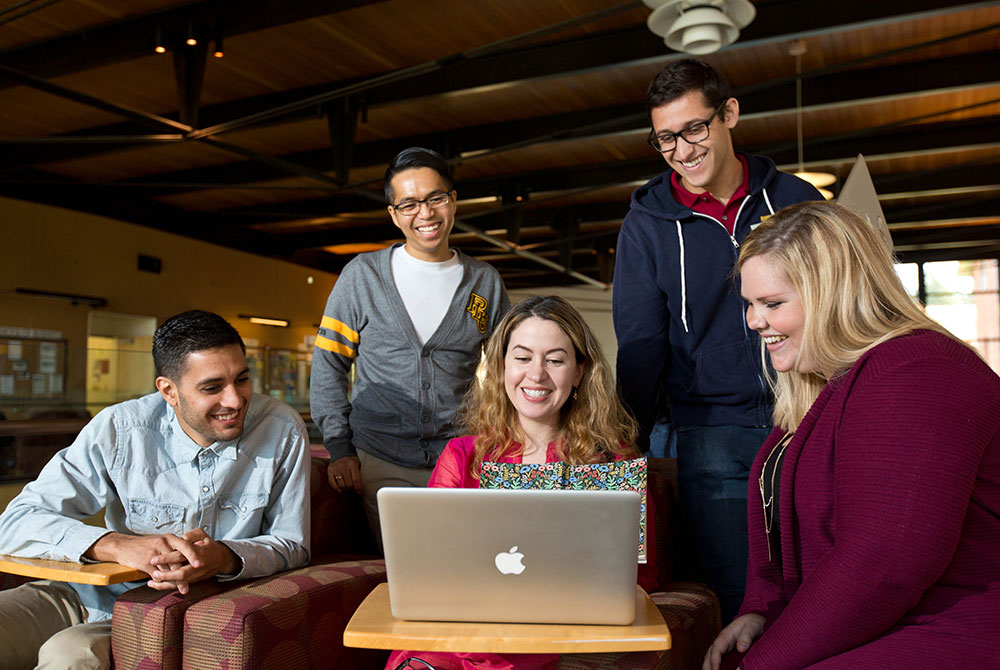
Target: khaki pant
43, 625
376, 473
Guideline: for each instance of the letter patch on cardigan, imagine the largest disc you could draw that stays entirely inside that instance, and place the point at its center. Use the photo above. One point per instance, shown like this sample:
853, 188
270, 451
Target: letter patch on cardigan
477, 308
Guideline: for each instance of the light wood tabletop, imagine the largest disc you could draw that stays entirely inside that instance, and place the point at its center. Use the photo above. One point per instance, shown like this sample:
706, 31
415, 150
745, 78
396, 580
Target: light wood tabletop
100, 574
374, 627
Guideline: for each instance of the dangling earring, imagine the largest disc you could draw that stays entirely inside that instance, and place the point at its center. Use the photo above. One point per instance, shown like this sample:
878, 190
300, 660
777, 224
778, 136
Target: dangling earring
575, 396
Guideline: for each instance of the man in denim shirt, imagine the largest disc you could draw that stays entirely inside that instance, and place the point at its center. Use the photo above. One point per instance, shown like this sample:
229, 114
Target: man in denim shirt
199, 480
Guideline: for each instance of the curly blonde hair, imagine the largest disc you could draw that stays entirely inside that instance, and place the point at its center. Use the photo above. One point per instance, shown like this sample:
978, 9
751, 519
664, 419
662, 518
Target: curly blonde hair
851, 296
594, 427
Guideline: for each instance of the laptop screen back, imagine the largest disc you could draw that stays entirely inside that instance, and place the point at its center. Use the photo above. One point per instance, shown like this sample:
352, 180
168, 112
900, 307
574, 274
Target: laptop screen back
524, 556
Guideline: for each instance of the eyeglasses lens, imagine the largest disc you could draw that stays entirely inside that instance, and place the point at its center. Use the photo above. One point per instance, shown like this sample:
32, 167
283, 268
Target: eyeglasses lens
411, 207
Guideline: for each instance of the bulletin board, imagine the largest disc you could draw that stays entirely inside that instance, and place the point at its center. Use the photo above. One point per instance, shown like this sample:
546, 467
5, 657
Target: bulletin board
32, 369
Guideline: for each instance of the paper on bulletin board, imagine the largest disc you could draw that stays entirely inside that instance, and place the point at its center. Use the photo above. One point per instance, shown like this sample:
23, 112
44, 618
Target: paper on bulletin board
56, 384
39, 384
14, 350
48, 354
6, 384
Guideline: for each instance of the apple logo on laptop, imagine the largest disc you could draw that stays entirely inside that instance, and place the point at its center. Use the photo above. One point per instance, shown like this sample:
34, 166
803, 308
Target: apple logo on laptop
509, 562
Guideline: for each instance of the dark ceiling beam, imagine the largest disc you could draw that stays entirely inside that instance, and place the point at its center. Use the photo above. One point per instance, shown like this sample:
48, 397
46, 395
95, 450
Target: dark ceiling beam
613, 49
637, 46
983, 207
948, 237
926, 138
872, 84
342, 122
615, 211
471, 139
144, 118
955, 252
189, 73
133, 37
808, 17
957, 177
971, 207
919, 138
82, 198
838, 89
532, 218
551, 128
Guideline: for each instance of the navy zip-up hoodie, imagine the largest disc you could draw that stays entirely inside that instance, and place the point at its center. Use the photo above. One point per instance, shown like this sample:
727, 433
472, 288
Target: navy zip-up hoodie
678, 314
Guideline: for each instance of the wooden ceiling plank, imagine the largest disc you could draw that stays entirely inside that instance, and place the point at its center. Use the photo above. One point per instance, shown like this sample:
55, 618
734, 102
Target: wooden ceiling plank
133, 37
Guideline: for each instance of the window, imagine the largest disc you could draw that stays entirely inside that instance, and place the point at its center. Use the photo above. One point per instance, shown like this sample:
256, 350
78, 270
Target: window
963, 296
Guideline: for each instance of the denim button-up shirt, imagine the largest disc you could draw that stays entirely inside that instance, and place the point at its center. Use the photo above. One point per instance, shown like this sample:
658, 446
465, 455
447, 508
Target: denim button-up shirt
134, 461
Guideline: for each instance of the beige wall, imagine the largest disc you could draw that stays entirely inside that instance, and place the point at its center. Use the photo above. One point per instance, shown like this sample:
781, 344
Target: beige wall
52, 249
594, 305
7, 493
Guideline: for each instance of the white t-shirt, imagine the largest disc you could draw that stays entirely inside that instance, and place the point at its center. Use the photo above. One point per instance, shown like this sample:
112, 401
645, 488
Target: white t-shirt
426, 288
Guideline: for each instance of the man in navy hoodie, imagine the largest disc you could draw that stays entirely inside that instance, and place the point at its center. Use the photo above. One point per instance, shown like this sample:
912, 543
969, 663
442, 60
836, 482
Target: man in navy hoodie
678, 314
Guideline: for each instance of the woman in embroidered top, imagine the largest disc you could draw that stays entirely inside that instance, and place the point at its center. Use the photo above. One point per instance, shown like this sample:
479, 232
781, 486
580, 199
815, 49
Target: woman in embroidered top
875, 504
547, 394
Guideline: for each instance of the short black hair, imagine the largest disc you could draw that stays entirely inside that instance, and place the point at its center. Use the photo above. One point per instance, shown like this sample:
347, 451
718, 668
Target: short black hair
413, 158
680, 77
186, 333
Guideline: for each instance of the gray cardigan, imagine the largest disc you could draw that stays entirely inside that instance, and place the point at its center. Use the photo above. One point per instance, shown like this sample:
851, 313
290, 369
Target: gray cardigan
404, 395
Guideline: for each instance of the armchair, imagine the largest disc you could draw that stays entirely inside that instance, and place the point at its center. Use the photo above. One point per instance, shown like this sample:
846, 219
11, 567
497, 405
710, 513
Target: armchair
296, 619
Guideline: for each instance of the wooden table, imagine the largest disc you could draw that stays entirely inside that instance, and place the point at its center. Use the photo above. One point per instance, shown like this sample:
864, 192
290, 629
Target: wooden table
374, 627
100, 574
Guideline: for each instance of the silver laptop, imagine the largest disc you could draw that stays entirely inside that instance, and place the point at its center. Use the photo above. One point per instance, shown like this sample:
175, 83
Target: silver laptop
510, 556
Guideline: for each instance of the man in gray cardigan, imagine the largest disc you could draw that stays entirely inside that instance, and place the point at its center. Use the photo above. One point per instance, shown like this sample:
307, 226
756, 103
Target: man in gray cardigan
412, 320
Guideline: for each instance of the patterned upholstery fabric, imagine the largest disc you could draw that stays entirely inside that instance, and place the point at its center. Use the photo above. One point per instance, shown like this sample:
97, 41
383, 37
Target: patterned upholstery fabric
147, 625
293, 620
691, 612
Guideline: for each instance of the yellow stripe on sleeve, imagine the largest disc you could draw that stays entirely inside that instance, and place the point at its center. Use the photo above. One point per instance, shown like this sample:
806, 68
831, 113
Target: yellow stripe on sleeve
336, 347
339, 327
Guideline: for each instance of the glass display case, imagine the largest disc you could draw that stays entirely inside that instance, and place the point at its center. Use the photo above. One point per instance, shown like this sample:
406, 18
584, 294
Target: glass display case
282, 374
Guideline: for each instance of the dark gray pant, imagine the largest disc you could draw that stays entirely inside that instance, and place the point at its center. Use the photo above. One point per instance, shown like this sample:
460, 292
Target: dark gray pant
376, 473
713, 469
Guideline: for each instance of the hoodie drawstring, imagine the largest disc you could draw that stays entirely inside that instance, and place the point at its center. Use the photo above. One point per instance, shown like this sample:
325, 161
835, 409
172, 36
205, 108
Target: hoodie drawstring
680, 244
684, 295
767, 201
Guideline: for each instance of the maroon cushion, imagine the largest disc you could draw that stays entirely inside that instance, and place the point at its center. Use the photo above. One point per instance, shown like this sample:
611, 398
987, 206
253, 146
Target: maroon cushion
691, 612
147, 625
292, 620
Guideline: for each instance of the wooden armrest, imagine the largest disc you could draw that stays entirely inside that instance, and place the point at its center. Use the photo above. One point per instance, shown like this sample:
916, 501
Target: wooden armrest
100, 574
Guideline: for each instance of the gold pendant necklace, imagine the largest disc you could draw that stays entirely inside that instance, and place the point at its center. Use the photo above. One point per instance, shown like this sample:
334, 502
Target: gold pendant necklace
767, 502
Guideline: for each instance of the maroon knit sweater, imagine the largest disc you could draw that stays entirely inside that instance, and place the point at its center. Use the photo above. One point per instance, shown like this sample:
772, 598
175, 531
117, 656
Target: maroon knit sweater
890, 519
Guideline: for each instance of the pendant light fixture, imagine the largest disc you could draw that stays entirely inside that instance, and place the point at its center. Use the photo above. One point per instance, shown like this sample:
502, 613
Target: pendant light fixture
818, 179
699, 27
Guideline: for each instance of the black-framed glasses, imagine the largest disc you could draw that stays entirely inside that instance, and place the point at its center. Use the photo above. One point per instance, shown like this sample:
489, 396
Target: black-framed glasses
693, 134
411, 207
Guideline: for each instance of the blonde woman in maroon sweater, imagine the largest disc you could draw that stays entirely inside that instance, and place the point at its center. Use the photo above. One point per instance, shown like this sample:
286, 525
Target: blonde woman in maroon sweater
874, 510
